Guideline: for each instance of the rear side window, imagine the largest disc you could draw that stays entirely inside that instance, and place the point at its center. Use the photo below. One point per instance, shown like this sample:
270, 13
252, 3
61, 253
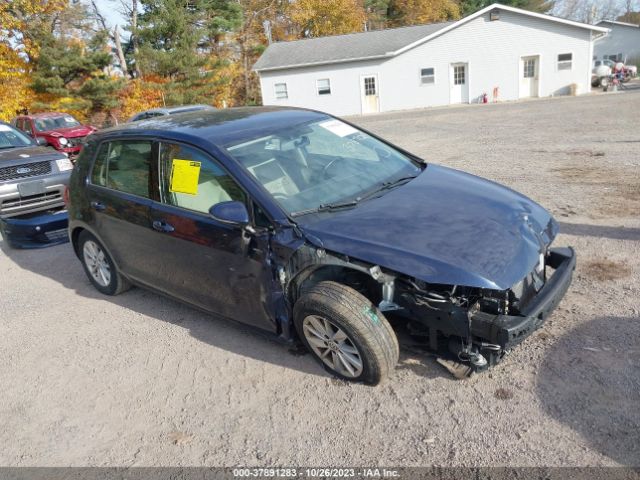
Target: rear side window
124, 165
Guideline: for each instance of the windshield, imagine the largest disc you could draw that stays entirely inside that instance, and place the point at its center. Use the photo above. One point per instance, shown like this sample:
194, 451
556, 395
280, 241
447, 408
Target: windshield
12, 138
323, 163
53, 123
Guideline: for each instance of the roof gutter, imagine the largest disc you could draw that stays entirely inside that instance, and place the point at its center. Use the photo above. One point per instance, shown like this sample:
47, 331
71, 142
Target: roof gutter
324, 62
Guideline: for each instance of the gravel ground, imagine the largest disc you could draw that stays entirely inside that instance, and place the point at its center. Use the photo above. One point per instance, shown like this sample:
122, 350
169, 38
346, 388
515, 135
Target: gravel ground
142, 380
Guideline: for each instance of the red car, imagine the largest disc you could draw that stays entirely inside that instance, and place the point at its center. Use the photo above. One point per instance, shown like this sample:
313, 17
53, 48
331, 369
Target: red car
60, 130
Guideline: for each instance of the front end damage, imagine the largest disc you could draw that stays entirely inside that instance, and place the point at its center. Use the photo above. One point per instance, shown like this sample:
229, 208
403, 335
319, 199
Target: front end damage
471, 326
479, 326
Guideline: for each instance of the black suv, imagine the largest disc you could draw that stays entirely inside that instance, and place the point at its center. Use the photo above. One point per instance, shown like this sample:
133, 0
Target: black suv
305, 226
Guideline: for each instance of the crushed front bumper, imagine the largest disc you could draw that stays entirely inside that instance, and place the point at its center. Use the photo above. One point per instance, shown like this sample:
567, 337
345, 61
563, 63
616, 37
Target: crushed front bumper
37, 230
508, 331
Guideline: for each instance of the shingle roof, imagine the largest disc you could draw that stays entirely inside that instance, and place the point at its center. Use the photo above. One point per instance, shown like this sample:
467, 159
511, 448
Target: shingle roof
343, 48
376, 44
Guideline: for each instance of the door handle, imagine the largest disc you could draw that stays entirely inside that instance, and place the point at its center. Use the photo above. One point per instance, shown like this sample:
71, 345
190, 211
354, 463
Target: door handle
162, 226
98, 206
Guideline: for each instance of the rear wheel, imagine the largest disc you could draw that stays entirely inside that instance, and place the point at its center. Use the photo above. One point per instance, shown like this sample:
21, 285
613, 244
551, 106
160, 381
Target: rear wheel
99, 266
346, 333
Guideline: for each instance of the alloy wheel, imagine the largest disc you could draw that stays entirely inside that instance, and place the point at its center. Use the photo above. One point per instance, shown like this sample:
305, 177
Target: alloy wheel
332, 345
96, 262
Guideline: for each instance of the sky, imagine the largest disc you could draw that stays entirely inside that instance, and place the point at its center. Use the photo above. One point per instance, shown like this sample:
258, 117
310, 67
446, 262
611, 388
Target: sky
109, 8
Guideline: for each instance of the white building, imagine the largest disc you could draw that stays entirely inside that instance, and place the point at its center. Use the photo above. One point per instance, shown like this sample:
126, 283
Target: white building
503, 52
622, 43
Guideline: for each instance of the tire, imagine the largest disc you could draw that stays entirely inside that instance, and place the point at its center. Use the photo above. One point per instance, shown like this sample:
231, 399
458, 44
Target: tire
101, 272
604, 83
360, 332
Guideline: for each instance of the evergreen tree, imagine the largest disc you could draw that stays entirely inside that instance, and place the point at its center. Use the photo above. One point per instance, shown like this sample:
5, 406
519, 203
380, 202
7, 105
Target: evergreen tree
181, 40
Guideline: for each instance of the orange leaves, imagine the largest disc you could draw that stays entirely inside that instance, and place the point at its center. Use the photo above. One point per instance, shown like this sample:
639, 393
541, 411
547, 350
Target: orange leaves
140, 95
14, 83
417, 12
317, 18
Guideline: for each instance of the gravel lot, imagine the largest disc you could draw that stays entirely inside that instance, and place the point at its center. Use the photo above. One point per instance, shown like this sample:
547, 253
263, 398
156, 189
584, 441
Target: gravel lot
142, 380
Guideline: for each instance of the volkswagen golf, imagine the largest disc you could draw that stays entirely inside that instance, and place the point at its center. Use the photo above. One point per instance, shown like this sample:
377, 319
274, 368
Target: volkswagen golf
307, 227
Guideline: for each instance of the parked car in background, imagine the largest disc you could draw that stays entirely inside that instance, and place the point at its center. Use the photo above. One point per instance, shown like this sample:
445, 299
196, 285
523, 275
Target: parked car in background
158, 112
303, 225
33, 179
59, 130
601, 73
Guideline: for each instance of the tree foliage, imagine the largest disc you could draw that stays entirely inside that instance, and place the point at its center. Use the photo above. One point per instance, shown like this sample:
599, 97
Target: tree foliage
415, 12
317, 18
541, 6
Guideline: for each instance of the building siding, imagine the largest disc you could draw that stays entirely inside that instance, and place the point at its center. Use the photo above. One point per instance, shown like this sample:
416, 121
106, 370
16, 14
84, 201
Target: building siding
492, 50
623, 40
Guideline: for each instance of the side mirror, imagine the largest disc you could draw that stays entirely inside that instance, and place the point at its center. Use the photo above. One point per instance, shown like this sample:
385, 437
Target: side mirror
231, 213
40, 141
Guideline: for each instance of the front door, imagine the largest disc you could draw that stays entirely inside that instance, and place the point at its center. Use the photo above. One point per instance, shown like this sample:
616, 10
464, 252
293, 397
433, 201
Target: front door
370, 95
529, 76
218, 267
459, 83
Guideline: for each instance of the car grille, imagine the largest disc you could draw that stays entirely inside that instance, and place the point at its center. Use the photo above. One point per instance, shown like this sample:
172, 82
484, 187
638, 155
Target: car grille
25, 171
31, 200
76, 141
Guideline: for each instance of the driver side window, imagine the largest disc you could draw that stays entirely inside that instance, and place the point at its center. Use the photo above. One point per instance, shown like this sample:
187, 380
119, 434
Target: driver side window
194, 181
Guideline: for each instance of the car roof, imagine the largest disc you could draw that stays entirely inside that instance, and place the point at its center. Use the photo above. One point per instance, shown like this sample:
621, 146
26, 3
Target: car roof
220, 127
178, 108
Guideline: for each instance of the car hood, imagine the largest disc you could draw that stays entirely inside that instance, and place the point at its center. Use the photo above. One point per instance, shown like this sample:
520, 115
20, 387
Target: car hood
71, 132
444, 227
20, 156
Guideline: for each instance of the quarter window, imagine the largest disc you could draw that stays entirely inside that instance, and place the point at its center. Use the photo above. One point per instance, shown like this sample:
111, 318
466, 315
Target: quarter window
565, 61
192, 180
324, 86
427, 75
281, 90
123, 165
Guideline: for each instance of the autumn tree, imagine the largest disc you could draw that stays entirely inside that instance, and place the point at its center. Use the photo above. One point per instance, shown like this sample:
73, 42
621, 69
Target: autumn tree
541, 6
317, 18
416, 12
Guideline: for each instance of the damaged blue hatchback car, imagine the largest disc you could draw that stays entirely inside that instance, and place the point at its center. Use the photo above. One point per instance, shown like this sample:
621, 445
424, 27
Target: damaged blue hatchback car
315, 230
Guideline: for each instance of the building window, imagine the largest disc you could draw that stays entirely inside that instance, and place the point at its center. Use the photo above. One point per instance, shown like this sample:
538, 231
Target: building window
459, 77
281, 90
369, 86
427, 75
530, 68
324, 86
565, 61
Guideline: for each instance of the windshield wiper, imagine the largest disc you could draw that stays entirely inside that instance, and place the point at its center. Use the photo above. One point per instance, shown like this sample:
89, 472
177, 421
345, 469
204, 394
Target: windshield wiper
328, 207
389, 185
8, 146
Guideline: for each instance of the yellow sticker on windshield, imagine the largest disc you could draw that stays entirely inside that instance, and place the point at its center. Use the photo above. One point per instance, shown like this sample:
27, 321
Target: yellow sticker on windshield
184, 176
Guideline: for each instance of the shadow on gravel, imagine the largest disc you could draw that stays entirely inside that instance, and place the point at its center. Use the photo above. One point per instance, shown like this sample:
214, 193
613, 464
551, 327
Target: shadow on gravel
590, 381
60, 264
599, 231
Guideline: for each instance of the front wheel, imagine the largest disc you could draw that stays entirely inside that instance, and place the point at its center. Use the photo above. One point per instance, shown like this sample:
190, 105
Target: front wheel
346, 333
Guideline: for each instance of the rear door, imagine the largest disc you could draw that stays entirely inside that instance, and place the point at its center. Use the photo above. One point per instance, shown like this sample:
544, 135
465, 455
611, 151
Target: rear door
120, 192
218, 267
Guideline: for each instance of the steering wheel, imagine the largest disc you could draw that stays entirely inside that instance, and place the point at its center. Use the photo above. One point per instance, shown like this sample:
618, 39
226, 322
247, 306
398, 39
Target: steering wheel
327, 167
